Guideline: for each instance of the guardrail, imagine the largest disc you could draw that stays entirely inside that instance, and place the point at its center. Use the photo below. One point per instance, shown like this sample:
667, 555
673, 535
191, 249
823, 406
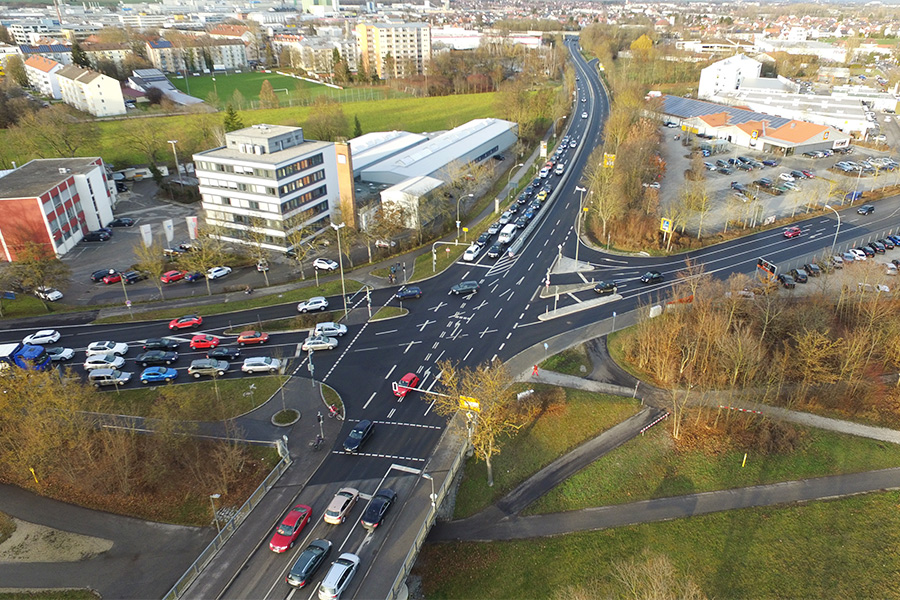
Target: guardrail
227, 531
440, 494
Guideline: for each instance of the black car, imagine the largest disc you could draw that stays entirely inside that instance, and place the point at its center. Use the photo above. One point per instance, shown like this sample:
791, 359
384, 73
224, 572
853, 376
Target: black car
865, 209
651, 277
606, 287
97, 276
799, 275
523, 198
377, 508
521, 222
787, 281
122, 222
740, 187
156, 357
358, 435
408, 291
96, 236
495, 251
889, 244
725, 170
721, 163
224, 352
308, 563
133, 276
770, 162
812, 269
465, 287
877, 247
160, 344
121, 187
483, 239
869, 252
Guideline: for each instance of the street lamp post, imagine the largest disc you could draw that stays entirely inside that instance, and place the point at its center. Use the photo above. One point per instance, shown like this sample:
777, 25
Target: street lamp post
212, 501
337, 229
578, 220
458, 222
177, 168
838, 229
433, 496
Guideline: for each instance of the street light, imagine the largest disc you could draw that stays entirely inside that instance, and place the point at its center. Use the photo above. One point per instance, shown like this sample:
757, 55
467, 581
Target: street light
212, 501
836, 231
457, 214
337, 229
578, 220
555, 128
177, 169
433, 497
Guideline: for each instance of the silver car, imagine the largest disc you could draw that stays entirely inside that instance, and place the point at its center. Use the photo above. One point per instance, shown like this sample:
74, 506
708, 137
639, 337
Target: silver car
103, 361
261, 364
330, 329
107, 348
319, 342
314, 303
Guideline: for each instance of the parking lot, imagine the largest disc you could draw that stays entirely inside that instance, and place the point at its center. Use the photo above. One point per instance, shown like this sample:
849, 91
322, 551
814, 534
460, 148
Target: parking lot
758, 205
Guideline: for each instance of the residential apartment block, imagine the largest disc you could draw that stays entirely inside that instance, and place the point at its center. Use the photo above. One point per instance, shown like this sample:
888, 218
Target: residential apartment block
114, 53
408, 44
61, 53
315, 54
41, 74
726, 75
91, 92
54, 202
269, 179
228, 54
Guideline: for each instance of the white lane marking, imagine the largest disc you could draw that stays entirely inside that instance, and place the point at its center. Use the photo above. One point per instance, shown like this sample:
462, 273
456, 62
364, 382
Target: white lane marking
410, 345
439, 356
498, 313
391, 414
386, 332
390, 456
389, 372
509, 335
366, 405
468, 353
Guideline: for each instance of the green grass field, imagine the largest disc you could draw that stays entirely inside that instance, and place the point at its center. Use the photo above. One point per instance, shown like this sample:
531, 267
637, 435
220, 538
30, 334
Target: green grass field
831, 549
289, 90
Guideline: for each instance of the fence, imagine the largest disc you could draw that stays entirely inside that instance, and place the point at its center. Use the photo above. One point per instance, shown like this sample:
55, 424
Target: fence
227, 531
440, 494
838, 249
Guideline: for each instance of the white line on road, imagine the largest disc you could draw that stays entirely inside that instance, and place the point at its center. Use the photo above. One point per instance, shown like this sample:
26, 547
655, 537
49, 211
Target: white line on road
366, 405
501, 347
509, 335
439, 356
391, 413
389, 372
467, 354
498, 313
386, 332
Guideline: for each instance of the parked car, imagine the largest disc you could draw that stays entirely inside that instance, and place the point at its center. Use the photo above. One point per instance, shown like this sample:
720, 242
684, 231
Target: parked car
97, 276
122, 222
340, 506
325, 264
48, 293
133, 276
288, 531
96, 236
261, 364
812, 269
878, 247
787, 281
887, 243
314, 303
218, 272
799, 275
172, 276
358, 436
378, 506
208, 366
308, 563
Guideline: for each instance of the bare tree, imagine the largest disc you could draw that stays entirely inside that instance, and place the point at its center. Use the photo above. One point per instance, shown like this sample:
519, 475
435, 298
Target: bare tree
207, 252
256, 236
54, 132
36, 266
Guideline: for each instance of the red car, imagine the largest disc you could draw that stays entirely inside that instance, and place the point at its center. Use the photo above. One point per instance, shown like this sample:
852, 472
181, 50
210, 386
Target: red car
171, 276
252, 337
791, 232
204, 341
410, 380
112, 278
185, 322
290, 528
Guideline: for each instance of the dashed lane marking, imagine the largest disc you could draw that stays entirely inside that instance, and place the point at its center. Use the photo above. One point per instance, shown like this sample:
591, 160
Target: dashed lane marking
389, 456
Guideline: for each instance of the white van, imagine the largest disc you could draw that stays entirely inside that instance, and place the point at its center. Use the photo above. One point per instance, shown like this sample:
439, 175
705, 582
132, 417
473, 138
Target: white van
471, 252
507, 233
544, 173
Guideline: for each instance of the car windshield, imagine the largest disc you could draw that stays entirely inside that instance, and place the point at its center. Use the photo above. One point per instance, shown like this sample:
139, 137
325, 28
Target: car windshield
356, 434
285, 529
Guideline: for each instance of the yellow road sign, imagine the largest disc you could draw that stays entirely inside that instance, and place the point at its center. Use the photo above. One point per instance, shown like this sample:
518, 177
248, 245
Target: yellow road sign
467, 403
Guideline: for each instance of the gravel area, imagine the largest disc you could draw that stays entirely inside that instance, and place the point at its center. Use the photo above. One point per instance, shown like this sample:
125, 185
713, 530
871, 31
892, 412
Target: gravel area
36, 543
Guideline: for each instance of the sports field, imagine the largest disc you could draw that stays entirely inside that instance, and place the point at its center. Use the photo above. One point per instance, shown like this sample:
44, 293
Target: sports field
290, 91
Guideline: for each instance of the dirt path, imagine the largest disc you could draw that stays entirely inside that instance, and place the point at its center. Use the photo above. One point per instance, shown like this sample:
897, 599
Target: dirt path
36, 543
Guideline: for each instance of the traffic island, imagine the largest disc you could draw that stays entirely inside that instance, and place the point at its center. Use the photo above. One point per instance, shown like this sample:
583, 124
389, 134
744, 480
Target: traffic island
286, 417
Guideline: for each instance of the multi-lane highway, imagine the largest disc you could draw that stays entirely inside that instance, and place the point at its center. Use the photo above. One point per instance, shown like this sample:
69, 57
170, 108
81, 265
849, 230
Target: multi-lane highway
505, 316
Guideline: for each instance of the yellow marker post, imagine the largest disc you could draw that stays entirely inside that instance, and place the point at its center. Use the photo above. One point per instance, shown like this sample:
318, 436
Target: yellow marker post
745, 460
33, 474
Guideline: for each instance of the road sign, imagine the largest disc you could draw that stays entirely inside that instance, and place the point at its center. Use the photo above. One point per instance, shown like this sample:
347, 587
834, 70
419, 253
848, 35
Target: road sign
665, 225
609, 160
128, 303
467, 403
770, 268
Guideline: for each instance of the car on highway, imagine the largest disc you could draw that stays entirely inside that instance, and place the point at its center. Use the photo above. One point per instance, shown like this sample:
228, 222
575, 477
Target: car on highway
330, 329
204, 341
224, 352
483, 239
495, 228
308, 563
341, 505
651, 277
186, 322
604, 288
289, 530
358, 436
218, 272
495, 251
319, 342
338, 577
471, 253
172, 276
100, 377
156, 357
410, 380
42, 337
542, 195
865, 209
584, 115
208, 366
792, 232
465, 287
48, 293
407, 292
160, 344
314, 303
378, 506
325, 264
107, 348
58, 353
261, 364
573, 143
252, 337
505, 218
103, 361
158, 375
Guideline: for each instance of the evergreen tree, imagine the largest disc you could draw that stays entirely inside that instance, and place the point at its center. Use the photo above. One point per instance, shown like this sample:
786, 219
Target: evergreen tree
232, 120
79, 56
357, 127
267, 97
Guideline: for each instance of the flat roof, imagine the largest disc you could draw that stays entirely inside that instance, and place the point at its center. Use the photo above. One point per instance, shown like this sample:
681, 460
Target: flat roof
370, 148
274, 158
686, 108
39, 175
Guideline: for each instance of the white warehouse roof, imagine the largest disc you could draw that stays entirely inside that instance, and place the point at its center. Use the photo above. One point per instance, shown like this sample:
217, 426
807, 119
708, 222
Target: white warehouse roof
371, 148
466, 143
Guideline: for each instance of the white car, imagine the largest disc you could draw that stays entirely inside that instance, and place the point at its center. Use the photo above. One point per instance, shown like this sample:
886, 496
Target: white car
791, 185
573, 144
217, 272
314, 303
103, 361
319, 342
119, 348
260, 364
44, 336
471, 253
330, 329
857, 254
338, 577
325, 264
48, 293
584, 115
385, 243
59, 353
505, 218
786, 177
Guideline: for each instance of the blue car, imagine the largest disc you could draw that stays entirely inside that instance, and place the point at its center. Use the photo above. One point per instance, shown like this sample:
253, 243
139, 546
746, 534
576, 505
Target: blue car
409, 291
158, 375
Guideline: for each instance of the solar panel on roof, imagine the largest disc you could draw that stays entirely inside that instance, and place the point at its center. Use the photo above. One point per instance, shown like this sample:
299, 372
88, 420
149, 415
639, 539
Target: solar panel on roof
686, 108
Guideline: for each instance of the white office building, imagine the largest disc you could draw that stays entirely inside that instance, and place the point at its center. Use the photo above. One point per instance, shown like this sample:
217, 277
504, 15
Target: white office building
726, 75
270, 178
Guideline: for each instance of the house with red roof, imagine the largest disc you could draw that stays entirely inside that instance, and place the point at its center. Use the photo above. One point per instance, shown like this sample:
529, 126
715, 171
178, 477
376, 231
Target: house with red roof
41, 72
